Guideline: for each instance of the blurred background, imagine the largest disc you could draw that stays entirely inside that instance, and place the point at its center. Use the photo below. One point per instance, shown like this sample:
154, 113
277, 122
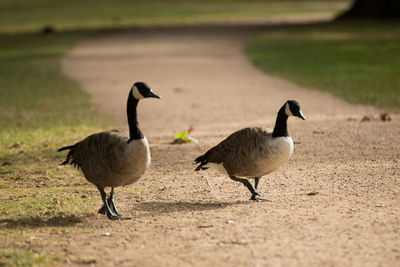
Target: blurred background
361, 37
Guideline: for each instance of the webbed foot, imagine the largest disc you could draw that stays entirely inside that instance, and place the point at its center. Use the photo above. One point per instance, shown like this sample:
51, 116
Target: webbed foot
258, 199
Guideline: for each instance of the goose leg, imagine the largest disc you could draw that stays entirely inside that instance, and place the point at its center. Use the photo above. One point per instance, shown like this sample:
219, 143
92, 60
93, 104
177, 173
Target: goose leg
102, 210
109, 213
249, 186
111, 204
257, 180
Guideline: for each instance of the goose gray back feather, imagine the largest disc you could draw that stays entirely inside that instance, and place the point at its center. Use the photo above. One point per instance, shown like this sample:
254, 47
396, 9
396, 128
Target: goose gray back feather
107, 159
249, 152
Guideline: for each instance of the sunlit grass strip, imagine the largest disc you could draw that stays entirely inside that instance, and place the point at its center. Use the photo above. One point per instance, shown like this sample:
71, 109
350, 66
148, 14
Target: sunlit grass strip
45, 205
359, 62
33, 92
40, 111
25, 16
10, 257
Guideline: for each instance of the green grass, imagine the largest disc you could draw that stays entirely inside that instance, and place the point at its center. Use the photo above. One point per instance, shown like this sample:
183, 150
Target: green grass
40, 111
26, 258
359, 62
33, 92
32, 16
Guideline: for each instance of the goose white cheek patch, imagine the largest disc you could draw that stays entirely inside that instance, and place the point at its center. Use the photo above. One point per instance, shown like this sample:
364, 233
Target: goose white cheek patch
136, 93
287, 110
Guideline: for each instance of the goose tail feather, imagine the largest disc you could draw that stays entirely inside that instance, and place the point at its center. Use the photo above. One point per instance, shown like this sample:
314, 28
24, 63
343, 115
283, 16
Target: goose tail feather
203, 161
65, 148
65, 162
69, 156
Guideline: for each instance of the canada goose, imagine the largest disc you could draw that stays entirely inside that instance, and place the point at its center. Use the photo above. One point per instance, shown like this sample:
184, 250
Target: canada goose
253, 152
112, 159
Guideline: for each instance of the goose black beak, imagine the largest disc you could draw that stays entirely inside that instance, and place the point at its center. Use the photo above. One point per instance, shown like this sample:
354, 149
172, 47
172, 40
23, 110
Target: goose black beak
301, 116
152, 94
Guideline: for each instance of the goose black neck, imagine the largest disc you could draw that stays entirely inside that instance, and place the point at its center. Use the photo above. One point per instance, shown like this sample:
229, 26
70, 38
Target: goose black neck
134, 131
281, 124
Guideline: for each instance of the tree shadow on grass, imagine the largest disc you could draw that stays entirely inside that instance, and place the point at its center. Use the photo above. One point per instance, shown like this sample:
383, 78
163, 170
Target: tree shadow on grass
157, 207
38, 222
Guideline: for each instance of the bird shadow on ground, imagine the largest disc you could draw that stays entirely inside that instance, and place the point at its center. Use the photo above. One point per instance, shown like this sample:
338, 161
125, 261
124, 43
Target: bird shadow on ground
169, 207
39, 222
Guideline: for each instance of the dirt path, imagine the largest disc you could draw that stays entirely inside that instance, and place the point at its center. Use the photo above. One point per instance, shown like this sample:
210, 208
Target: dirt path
205, 80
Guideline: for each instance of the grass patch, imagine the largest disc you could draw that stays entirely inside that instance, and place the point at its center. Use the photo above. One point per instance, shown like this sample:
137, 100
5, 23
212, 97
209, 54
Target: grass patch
32, 16
33, 92
40, 111
26, 258
359, 62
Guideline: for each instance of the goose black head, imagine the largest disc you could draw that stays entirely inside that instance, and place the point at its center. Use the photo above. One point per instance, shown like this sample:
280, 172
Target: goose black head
292, 108
140, 90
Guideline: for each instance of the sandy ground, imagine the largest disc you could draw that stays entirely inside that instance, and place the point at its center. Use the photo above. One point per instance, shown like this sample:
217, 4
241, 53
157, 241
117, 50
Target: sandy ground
206, 81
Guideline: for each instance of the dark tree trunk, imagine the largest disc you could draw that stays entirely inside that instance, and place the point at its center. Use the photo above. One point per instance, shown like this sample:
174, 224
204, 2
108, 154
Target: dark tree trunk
373, 9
